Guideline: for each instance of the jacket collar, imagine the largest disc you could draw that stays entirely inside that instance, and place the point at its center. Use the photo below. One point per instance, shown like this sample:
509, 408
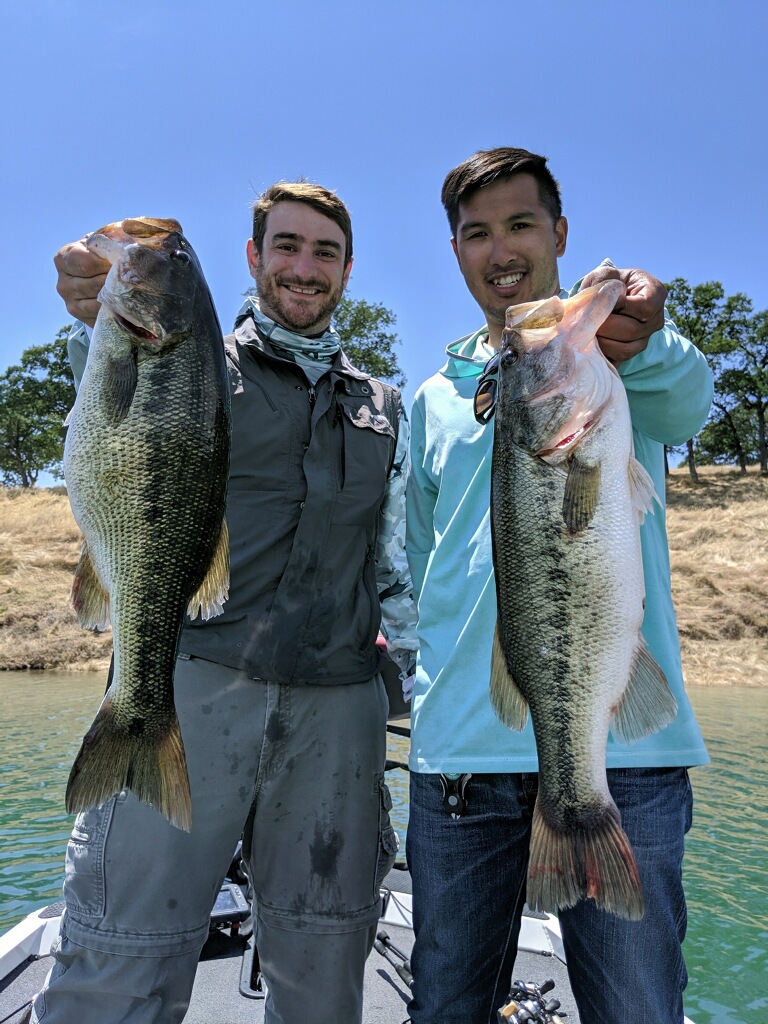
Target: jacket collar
467, 356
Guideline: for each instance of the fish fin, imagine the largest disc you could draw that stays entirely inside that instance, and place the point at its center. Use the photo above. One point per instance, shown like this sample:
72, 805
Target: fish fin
210, 596
509, 704
582, 490
647, 703
593, 861
88, 597
153, 766
120, 379
149, 227
641, 488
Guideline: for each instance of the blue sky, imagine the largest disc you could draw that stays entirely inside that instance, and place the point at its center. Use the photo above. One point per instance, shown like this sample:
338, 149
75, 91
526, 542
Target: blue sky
653, 116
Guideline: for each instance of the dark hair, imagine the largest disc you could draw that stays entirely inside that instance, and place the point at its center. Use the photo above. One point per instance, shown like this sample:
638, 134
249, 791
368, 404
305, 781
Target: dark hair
319, 198
492, 165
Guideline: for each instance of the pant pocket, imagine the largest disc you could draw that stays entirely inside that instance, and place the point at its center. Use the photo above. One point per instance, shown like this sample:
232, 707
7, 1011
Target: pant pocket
389, 843
84, 884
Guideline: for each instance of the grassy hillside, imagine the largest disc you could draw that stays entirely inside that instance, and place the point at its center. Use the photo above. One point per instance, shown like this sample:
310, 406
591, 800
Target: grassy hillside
39, 549
718, 548
718, 540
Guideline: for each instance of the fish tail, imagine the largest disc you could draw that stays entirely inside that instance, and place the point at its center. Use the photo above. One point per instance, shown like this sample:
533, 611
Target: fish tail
152, 766
594, 862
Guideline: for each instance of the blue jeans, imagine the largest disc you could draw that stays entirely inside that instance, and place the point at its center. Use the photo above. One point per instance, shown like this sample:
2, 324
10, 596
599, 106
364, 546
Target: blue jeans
469, 891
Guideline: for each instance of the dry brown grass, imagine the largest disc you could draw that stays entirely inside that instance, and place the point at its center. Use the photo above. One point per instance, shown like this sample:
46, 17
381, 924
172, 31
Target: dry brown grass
718, 541
718, 534
39, 548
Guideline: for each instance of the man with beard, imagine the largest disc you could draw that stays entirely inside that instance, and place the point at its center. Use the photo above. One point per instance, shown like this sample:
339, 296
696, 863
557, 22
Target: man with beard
280, 699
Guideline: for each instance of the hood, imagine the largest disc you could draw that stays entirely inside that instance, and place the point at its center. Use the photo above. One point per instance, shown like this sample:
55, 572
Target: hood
468, 355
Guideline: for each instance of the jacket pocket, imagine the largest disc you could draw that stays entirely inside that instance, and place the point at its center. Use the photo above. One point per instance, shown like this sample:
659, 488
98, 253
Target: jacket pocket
389, 843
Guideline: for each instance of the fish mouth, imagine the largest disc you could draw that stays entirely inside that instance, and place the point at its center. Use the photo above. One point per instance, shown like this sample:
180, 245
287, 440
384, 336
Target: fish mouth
565, 444
141, 333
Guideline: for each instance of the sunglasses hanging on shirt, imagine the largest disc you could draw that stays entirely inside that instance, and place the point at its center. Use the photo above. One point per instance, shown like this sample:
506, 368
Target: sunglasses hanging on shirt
487, 388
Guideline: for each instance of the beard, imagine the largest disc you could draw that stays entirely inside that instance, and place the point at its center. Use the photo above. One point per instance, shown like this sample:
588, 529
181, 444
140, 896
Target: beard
302, 318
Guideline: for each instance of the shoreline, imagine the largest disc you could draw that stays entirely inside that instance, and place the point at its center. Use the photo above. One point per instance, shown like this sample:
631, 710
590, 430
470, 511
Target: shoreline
101, 669
718, 551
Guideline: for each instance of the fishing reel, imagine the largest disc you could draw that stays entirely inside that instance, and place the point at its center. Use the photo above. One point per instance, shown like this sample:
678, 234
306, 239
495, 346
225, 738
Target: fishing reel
526, 1005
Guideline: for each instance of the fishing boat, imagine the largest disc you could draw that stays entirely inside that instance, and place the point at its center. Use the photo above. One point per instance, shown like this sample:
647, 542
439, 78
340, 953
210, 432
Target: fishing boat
229, 988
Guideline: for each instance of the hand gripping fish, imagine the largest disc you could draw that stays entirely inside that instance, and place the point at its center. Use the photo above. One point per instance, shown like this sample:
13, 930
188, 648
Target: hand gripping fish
146, 463
568, 498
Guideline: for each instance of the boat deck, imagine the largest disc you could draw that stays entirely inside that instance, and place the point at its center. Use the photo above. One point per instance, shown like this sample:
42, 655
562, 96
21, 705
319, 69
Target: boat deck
225, 970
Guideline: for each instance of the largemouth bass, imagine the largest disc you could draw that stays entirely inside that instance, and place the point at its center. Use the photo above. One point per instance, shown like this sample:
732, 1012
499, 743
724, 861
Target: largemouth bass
568, 499
146, 461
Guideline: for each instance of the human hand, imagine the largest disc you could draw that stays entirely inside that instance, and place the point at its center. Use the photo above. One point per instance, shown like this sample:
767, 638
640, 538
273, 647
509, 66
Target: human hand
407, 682
81, 276
636, 316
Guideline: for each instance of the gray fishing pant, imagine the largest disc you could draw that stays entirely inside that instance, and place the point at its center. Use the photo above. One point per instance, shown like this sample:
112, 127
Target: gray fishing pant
301, 769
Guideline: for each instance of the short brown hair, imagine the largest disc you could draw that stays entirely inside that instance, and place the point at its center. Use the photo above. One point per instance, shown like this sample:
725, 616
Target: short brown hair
491, 165
319, 198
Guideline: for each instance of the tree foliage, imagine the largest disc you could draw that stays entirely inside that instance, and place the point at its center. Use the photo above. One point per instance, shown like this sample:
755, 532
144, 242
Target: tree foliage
35, 397
367, 339
745, 381
735, 342
729, 437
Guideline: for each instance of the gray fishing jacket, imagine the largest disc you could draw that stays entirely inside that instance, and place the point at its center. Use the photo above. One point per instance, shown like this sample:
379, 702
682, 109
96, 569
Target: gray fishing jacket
308, 477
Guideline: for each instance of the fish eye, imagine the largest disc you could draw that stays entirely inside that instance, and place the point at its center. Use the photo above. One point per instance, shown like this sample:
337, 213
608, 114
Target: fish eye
509, 357
181, 257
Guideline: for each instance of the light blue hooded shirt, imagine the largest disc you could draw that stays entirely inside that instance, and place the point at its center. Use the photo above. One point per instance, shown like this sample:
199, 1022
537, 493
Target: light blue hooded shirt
448, 540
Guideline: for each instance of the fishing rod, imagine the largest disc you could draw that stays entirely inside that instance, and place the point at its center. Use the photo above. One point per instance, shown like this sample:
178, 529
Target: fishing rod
394, 956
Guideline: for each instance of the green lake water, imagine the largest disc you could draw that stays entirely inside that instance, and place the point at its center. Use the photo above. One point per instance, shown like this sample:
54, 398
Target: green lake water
45, 715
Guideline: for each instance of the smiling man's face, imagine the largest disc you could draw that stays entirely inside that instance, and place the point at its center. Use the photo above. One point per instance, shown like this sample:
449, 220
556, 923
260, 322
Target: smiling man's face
507, 245
302, 269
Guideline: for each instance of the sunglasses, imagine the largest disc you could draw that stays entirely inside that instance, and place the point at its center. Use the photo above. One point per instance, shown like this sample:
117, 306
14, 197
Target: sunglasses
487, 390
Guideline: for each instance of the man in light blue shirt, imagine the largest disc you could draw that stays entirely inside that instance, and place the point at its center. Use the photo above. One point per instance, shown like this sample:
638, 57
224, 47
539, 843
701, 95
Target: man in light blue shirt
469, 870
